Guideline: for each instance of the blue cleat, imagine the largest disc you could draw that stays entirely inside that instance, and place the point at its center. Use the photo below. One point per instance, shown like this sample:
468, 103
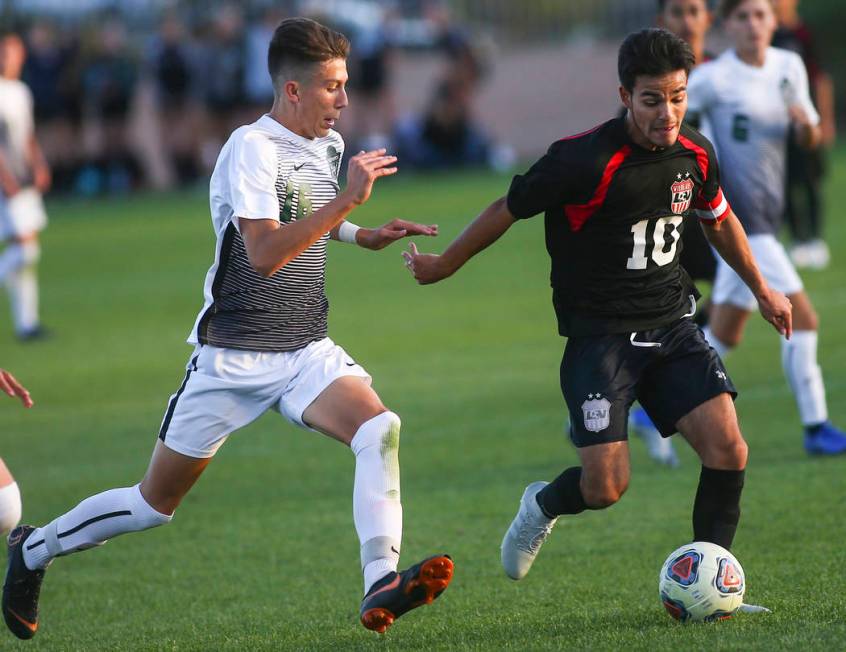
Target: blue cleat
659, 448
825, 439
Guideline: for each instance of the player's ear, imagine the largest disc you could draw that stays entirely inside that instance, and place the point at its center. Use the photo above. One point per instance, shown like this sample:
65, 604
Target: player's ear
626, 97
291, 91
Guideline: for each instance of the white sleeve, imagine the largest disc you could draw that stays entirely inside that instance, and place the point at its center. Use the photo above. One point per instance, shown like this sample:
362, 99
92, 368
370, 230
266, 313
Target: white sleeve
700, 91
803, 93
252, 178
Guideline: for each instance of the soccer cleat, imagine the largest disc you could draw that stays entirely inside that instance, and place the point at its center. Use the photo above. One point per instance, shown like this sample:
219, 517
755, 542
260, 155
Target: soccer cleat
659, 448
21, 589
396, 593
526, 534
753, 609
825, 440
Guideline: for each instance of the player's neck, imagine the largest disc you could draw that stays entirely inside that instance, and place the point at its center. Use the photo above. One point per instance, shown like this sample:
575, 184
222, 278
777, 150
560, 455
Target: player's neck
636, 135
698, 47
288, 119
756, 58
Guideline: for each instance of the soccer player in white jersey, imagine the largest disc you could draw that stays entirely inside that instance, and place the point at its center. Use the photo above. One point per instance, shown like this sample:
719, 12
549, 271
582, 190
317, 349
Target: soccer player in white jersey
260, 340
24, 175
752, 95
10, 495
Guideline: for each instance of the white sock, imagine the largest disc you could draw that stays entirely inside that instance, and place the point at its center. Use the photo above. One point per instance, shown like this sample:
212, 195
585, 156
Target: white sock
799, 360
377, 510
720, 347
10, 507
23, 290
91, 523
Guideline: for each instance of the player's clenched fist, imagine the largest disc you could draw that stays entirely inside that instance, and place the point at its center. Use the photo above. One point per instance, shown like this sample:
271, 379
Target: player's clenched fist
426, 268
364, 168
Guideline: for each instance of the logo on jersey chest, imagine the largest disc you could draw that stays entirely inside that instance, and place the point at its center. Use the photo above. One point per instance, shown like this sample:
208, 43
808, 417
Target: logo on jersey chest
597, 413
681, 193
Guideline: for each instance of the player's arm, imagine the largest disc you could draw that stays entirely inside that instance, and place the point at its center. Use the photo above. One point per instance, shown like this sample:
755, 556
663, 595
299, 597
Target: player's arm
271, 244
382, 236
8, 182
482, 232
728, 237
38, 163
10, 385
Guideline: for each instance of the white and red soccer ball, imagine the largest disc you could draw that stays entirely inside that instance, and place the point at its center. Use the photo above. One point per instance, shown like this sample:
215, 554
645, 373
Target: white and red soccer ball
701, 582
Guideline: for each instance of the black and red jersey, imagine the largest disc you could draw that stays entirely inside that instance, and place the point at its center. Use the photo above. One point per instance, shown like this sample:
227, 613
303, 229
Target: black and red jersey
614, 215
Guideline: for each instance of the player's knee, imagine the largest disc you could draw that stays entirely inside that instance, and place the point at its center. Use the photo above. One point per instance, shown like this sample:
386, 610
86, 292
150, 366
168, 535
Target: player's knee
383, 431
602, 494
10, 507
730, 453
148, 515
30, 252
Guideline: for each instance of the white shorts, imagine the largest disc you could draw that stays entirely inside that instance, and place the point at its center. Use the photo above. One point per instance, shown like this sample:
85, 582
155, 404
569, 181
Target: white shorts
226, 389
22, 214
775, 267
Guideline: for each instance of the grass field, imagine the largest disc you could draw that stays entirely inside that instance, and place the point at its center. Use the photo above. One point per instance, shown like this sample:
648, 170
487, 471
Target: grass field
263, 554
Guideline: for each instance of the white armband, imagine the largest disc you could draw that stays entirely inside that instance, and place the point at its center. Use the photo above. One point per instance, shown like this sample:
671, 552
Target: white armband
347, 231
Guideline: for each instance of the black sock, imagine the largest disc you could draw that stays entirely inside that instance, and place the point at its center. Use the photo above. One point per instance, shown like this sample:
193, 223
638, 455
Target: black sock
716, 509
563, 495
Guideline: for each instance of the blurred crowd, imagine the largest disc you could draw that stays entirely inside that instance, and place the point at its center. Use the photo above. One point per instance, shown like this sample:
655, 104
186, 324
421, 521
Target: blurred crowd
116, 110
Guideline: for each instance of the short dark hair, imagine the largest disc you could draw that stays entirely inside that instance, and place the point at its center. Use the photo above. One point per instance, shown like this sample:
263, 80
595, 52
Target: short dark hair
662, 4
299, 43
728, 6
652, 52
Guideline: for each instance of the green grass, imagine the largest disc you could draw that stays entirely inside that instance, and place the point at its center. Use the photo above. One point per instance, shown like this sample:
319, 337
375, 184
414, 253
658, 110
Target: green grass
263, 554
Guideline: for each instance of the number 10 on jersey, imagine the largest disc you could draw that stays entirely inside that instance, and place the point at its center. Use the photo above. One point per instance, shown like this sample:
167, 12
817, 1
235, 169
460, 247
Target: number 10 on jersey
665, 237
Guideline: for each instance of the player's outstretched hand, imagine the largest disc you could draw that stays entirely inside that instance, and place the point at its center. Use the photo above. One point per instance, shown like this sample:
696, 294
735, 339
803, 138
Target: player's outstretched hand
10, 385
393, 231
363, 170
426, 268
777, 309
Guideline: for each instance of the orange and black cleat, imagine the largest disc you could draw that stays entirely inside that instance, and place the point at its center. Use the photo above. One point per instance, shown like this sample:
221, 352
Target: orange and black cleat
397, 593
21, 589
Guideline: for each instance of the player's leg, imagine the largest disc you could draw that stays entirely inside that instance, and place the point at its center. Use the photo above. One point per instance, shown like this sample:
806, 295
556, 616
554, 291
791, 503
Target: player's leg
214, 399
713, 432
18, 268
350, 411
799, 361
725, 327
10, 500
333, 395
598, 375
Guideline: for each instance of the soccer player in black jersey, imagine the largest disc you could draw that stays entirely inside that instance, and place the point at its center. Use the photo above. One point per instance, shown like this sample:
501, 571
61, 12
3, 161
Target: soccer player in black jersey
615, 200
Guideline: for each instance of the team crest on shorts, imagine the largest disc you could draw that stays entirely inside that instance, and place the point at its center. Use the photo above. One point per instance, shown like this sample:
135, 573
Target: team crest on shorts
597, 413
682, 193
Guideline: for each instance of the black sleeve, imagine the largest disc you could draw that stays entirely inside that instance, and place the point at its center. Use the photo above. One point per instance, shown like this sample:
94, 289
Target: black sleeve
548, 183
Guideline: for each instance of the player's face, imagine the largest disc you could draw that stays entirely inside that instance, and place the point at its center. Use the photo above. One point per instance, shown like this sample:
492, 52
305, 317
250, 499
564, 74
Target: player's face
322, 98
751, 25
656, 108
687, 19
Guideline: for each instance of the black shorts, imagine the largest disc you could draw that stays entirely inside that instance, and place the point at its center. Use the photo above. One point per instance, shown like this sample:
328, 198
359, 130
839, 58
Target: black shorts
602, 376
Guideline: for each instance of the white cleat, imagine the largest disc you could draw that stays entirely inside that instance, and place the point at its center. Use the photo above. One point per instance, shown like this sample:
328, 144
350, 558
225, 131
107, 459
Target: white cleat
753, 609
526, 534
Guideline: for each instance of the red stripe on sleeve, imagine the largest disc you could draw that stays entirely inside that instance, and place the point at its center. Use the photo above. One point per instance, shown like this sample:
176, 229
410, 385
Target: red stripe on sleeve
578, 214
701, 154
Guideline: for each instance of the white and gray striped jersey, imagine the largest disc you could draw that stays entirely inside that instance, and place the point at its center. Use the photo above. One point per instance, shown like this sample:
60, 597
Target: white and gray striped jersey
747, 109
266, 171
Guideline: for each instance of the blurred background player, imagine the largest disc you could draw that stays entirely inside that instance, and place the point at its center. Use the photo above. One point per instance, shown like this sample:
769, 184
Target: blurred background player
756, 98
690, 20
24, 176
804, 202
10, 495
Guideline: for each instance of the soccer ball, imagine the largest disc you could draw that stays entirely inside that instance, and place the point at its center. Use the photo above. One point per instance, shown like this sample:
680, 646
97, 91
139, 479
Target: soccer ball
701, 582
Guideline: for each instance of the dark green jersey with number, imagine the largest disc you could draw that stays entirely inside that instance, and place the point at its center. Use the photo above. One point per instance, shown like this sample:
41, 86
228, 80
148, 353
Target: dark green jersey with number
614, 214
